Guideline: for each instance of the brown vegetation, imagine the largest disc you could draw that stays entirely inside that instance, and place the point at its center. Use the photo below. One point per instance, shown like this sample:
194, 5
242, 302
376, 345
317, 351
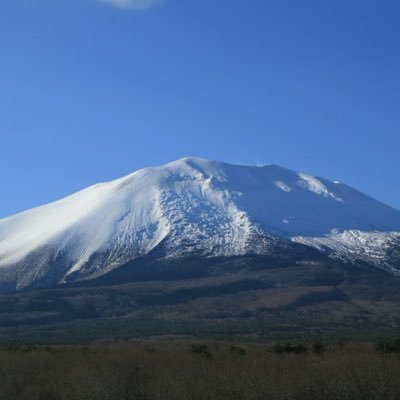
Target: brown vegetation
233, 299
199, 371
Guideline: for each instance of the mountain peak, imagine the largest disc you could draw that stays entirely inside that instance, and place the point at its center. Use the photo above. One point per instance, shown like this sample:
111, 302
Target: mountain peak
193, 205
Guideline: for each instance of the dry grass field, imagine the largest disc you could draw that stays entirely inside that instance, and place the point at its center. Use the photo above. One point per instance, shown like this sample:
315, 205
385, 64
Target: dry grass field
180, 370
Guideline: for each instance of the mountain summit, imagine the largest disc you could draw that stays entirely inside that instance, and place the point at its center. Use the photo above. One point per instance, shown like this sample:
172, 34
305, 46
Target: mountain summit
194, 206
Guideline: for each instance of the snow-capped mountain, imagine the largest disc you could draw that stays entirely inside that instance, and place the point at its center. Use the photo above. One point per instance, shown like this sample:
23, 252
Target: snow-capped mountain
194, 206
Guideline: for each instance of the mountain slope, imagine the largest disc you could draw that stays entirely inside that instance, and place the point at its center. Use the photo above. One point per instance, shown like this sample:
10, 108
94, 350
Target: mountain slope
190, 206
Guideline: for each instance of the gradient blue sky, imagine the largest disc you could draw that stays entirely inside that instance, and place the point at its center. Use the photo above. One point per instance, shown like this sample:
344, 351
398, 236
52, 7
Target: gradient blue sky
91, 90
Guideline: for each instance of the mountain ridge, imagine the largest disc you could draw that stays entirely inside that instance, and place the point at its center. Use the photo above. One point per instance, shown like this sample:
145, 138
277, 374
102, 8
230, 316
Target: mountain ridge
194, 206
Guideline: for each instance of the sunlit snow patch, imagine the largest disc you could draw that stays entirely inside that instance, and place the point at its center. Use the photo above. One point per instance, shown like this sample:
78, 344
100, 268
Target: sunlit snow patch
314, 185
282, 185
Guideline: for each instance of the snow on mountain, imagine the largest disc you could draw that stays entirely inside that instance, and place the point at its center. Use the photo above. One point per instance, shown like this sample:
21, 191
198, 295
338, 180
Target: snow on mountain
381, 249
191, 206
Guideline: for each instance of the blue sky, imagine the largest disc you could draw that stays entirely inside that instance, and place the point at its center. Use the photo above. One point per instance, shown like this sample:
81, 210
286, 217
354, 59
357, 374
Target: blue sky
91, 90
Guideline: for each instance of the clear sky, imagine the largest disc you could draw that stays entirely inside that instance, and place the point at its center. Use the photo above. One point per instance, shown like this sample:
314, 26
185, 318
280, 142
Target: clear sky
91, 90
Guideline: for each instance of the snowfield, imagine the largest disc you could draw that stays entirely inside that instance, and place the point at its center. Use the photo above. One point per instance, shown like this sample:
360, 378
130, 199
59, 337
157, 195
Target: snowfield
193, 206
